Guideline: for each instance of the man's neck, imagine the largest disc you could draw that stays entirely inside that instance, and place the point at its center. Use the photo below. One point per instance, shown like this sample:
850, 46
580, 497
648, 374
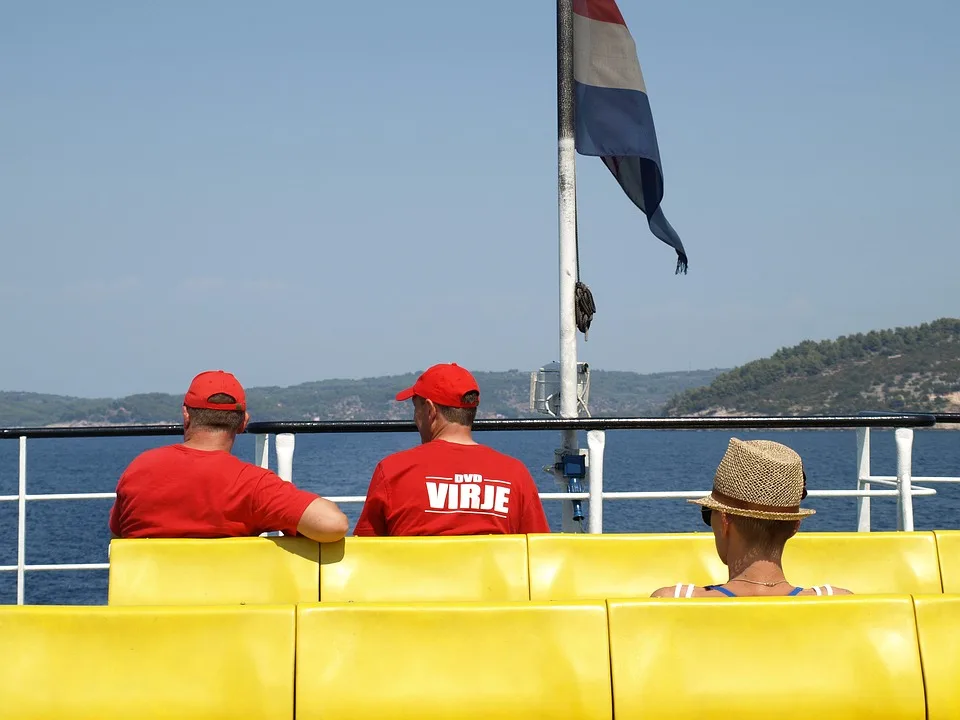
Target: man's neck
456, 434
209, 440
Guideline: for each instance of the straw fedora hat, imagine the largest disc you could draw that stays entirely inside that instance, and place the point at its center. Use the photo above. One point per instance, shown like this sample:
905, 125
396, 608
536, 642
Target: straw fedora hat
759, 479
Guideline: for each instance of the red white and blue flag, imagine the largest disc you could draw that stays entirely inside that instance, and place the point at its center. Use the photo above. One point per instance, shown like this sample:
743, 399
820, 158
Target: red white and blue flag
613, 117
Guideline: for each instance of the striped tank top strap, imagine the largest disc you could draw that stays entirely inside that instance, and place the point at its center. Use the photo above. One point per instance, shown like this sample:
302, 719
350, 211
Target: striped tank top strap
719, 589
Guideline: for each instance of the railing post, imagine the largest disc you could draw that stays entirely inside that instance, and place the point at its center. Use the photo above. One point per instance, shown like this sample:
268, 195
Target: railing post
596, 439
904, 439
285, 443
863, 471
261, 454
22, 520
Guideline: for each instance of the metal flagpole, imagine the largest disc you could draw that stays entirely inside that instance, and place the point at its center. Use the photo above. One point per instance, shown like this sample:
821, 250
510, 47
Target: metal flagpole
567, 191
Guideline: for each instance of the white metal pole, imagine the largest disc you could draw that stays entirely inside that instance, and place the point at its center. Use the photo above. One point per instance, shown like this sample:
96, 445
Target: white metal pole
261, 456
904, 439
22, 520
285, 444
596, 440
567, 197
863, 472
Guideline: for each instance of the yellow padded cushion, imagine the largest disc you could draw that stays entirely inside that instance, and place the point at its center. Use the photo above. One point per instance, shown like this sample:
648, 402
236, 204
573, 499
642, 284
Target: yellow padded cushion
148, 663
595, 567
948, 551
453, 660
401, 569
938, 625
224, 571
792, 658
900, 563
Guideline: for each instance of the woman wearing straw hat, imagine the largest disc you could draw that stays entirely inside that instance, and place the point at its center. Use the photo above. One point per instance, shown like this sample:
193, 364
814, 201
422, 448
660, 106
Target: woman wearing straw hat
753, 510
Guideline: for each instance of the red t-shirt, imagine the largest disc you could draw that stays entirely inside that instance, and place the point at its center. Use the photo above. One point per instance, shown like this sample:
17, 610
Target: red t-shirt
442, 488
177, 491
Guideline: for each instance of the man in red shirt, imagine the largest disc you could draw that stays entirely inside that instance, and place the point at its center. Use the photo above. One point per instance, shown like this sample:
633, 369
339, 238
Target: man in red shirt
449, 485
198, 489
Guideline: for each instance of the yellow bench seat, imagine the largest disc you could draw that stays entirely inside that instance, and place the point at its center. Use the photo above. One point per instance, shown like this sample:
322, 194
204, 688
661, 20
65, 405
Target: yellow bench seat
900, 563
948, 549
572, 567
222, 571
419, 569
791, 658
469, 661
938, 626
147, 663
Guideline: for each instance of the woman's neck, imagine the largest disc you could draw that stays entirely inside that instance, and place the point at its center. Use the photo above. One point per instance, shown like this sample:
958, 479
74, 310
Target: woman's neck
759, 570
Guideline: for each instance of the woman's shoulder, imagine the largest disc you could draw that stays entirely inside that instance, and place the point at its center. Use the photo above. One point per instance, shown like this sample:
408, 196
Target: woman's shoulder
687, 590
684, 590
825, 590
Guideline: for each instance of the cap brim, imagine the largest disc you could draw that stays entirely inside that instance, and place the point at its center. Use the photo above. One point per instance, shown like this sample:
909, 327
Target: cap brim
405, 394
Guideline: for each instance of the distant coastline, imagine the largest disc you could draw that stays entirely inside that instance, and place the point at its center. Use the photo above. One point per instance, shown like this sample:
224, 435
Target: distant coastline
503, 395
913, 369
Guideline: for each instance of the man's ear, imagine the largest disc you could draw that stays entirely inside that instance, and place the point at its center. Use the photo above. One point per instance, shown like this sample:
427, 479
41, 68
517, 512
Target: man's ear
186, 417
432, 411
243, 425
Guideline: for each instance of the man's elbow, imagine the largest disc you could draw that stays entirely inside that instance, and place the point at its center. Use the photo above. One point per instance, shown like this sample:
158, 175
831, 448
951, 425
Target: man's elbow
323, 521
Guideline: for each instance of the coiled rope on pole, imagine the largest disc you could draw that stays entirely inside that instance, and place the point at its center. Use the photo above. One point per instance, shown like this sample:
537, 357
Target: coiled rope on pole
583, 305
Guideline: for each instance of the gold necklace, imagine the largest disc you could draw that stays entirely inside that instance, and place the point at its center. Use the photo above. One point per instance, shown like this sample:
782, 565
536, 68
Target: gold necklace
757, 582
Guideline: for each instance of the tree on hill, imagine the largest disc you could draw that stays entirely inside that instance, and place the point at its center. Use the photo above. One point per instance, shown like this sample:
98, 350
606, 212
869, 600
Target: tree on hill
911, 368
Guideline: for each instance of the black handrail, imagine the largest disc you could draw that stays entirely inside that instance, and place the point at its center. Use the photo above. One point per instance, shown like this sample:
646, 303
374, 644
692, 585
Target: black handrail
941, 418
881, 420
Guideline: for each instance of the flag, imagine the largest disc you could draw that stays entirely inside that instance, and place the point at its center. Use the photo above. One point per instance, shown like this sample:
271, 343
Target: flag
613, 117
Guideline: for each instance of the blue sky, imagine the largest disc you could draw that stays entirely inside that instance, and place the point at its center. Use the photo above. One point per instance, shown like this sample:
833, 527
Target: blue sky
303, 190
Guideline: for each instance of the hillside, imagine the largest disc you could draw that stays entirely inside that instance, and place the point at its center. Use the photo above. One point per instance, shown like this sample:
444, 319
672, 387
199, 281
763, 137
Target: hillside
911, 368
504, 394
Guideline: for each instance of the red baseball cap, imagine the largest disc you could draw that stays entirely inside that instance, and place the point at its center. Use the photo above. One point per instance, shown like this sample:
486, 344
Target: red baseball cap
444, 384
209, 383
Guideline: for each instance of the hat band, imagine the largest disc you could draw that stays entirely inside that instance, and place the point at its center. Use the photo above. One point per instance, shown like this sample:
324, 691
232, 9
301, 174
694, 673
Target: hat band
746, 505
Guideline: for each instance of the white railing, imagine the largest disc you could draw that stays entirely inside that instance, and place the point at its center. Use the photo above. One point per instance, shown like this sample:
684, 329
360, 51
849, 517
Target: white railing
901, 486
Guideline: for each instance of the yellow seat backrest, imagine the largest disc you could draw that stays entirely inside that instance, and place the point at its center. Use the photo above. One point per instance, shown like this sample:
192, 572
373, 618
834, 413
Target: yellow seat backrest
900, 563
948, 551
148, 663
224, 571
595, 567
401, 569
453, 660
791, 658
938, 625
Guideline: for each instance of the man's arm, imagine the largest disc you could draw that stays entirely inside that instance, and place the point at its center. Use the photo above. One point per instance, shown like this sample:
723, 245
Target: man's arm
373, 519
323, 521
279, 505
